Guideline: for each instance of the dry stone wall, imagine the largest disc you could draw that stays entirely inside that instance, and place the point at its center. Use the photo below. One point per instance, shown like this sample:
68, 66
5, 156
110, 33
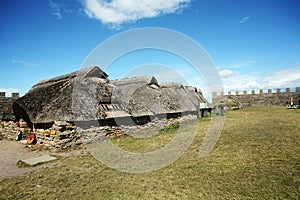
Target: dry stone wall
104, 132
269, 98
10, 129
63, 135
60, 135
6, 111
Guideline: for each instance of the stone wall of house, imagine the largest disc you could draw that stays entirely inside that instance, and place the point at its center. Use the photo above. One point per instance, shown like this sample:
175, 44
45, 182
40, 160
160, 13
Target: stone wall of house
262, 98
6, 110
63, 135
104, 132
59, 135
10, 129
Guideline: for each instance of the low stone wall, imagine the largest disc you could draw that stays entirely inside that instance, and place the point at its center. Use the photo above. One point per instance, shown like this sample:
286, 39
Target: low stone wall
62, 135
105, 132
262, 99
10, 129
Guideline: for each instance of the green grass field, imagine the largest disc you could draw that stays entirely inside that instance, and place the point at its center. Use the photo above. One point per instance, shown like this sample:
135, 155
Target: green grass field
256, 157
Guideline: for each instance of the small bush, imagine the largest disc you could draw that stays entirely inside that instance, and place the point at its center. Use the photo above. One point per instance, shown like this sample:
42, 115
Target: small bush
171, 128
231, 103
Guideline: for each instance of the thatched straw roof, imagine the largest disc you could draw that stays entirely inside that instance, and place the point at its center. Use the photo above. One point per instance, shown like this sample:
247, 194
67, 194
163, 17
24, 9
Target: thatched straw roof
149, 101
88, 95
144, 96
187, 96
128, 86
6, 111
61, 97
141, 80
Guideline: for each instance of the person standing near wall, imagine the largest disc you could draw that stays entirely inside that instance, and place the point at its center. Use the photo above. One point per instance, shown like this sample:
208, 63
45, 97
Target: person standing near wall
19, 136
222, 108
2, 125
292, 102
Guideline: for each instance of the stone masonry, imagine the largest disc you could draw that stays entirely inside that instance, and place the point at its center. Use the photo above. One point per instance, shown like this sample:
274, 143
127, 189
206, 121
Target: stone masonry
268, 98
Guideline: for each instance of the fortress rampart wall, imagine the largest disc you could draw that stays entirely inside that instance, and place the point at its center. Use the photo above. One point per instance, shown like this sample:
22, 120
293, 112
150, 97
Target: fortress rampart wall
6, 111
261, 97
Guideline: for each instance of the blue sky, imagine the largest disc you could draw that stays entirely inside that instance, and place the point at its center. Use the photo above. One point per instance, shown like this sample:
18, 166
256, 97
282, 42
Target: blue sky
254, 44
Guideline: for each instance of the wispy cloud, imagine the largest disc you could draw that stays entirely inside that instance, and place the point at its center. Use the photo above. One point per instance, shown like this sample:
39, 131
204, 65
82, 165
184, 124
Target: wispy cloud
244, 20
237, 65
228, 73
23, 62
284, 78
278, 79
297, 64
242, 82
8, 91
116, 12
57, 9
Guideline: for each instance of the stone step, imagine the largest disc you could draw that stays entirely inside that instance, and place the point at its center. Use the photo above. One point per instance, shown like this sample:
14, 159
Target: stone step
39, 160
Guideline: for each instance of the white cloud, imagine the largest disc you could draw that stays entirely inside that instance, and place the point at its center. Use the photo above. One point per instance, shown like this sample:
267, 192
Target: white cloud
8, 91
228, 73
238, 65
244, 20
297, 64
58, 9
242, 82
253, 81
23, 62
284, 78
116, 12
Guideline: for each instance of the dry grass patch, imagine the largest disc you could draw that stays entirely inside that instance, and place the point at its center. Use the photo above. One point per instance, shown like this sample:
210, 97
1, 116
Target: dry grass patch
256, 157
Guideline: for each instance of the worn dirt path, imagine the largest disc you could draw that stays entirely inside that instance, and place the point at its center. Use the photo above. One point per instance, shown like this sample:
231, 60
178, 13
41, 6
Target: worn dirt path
12, 151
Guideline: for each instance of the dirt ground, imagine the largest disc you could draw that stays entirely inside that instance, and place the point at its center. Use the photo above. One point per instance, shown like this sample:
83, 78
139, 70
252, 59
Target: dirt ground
12, 151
